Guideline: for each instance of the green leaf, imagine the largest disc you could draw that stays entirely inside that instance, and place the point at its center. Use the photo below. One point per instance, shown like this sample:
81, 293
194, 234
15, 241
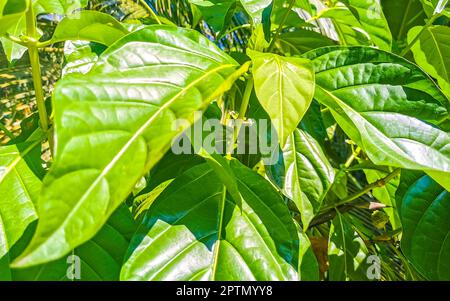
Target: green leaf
79, 57
425, 215
100, 258
346, 25
305, 5
402, 15
386, 105
221, 167
308, 174
434, 7
308, 265
281, 15
89, 26
195, 231
15, 51
134, 95
170, 167
432, 52
143, 202
301, 41
370, 15
347, 252
255, 8
11, 11
19, 190
58, 7
284, 87
218, 13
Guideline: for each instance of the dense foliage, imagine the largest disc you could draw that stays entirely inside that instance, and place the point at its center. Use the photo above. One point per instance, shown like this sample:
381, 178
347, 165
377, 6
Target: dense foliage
139, 162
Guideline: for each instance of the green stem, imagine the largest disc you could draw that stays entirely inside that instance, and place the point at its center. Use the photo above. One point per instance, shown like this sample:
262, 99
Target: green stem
243, 109
246, 98
150, 10
280, 27
237, 28
6, 131
377, 184
414, 41
404, 261
36, 68
352, 158
15, 40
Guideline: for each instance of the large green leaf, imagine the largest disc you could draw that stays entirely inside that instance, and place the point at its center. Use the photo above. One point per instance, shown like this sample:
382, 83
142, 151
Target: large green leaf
89, 26
60, 7
100, 258
387, 105
284, 87
196, 231
347, 252
133, 96
432, 52
308, 174
19, 189
370, 15
425, 214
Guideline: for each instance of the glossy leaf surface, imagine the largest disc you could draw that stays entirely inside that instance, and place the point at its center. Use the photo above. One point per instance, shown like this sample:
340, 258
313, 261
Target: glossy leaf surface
89, 26
346, 252
99, 259
155, 76
285, 88
60, 7
195, 231
370, 15
19, 190
424, 211
308, 174
432, 53
387, 106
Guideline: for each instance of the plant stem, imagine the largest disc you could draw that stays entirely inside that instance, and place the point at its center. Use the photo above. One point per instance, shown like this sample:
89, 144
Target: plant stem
414, 41
352, 158
246, 98
6, 131
150, 10
15, 40
243, 109
377, 184
280, 27
237, 28
36, 68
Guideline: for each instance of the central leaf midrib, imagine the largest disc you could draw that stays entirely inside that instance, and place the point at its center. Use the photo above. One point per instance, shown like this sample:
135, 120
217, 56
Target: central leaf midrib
126, 146
334, 97
437, 45
220, 214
